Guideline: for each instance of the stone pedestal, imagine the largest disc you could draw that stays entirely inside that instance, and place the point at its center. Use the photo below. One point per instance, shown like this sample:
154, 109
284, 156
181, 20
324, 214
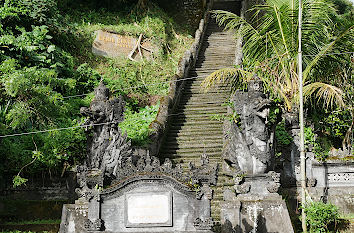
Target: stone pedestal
254, 206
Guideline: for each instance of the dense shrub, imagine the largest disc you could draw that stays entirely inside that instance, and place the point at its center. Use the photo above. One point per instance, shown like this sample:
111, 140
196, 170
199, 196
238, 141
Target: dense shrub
321, 217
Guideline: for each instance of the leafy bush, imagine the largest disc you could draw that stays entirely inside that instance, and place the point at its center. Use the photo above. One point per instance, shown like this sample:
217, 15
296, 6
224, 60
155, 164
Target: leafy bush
137, 124
312, 142
282, 136
321, 217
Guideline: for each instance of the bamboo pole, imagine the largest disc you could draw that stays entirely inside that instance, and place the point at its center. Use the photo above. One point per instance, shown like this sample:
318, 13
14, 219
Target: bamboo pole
301, 119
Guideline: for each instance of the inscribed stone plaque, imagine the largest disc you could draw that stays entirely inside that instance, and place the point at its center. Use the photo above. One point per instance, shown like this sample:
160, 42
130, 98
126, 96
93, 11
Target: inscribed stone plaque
110, 44
151, 209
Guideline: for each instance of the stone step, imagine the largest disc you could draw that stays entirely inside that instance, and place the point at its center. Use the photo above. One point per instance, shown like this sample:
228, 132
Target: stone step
193, 144
184, 160
196, 133
202, 103
204, 119
177, 157
204, 138
196, 128
185, 151
203, 113
203, 96
202, 108
193, 130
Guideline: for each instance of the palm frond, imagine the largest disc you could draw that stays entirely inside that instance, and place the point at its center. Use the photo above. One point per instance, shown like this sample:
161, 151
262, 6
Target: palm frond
331, 95
325, 50
225, 75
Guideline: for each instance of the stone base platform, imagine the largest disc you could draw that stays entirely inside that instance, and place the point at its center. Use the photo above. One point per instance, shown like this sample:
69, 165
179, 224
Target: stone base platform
254, 206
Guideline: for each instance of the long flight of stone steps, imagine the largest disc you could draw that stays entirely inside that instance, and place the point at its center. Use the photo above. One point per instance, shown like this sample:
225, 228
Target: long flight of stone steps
194, 128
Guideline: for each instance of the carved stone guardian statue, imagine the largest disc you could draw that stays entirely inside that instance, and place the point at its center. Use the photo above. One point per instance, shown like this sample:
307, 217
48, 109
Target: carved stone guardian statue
107, 148
250, 143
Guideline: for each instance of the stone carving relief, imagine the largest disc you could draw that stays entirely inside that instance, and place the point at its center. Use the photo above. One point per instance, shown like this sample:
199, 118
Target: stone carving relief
250, 143
95, 225
274, 185
345, 177
205, 224
106, 146
149, 164
206, 173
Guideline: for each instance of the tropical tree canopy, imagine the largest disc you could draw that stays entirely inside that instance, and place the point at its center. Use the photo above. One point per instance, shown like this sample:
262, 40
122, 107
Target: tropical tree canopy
270, 48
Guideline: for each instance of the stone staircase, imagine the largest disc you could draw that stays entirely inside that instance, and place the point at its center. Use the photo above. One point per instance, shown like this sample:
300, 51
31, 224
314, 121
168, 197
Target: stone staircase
193, 129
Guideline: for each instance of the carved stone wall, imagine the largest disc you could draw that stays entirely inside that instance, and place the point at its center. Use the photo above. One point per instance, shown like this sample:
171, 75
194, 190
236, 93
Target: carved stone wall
146, 197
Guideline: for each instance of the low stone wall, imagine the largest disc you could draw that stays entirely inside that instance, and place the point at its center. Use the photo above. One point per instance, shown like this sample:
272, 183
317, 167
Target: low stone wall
331, 181
169, 103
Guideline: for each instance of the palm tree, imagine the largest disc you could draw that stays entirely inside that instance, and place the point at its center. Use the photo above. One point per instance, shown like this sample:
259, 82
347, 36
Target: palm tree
270, 50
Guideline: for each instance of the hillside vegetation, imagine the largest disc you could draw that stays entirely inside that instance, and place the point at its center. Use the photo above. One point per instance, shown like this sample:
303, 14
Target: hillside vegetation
46, 60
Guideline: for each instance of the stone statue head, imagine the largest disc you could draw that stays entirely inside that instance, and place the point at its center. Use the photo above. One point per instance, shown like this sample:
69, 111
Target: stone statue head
101, 92
255, 84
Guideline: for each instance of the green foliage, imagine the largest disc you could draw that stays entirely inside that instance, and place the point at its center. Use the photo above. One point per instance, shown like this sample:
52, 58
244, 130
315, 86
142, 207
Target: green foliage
321, 217
337, 122
39, 221
18, 181
282, 136
45, 55
312, 143
137, 124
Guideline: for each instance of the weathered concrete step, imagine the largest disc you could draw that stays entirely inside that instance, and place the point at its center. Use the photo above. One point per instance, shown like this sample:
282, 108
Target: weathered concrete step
210, 115
206, 69
214, 39
212, 118
186, 151
201, 91
193, 144
204, 96
188, 120
195, 155
196, 98
202, 112
204, 138
185, 159
203, 103
215, 45
203, 72
195, 133
197, 85
196, 128
213, 54
202, 108
203, 117
206, 125
198, 89
206, 108
193, 127
211, 64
